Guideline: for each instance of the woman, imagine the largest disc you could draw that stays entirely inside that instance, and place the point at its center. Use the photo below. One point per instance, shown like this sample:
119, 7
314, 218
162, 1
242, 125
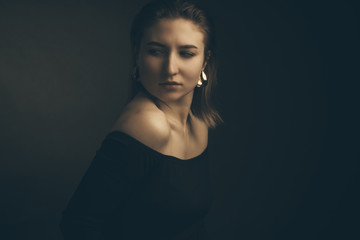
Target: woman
149, 179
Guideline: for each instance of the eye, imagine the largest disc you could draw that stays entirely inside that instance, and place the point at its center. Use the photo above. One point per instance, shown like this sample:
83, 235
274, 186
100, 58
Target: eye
156, 52
187, 54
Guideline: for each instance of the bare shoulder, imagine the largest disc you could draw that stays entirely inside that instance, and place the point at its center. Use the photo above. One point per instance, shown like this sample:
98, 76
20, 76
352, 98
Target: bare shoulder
142, 120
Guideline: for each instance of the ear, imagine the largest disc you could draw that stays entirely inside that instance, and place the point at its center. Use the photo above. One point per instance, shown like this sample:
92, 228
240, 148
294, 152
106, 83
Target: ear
206, 58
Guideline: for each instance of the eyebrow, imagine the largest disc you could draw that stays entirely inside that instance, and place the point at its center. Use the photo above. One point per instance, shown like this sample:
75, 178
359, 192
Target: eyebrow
164, 46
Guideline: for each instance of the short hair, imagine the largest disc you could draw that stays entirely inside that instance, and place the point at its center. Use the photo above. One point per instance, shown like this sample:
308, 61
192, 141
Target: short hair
154, 11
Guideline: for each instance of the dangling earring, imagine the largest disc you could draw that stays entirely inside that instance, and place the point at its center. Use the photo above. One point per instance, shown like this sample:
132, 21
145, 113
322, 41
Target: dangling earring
203, 80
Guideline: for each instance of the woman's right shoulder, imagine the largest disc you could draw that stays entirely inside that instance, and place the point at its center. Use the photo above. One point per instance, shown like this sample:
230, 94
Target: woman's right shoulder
142, 120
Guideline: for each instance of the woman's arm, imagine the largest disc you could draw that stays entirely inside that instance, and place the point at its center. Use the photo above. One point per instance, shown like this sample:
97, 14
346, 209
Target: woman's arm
104, 189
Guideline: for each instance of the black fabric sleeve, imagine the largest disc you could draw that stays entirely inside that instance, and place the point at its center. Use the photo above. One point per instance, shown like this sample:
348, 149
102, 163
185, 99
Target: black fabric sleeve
115, 172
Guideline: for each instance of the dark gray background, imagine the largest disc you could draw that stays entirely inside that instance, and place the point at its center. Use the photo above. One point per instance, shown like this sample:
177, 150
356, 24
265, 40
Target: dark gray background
285, 162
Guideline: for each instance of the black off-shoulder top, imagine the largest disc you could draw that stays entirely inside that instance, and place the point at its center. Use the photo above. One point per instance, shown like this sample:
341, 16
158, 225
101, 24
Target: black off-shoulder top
132, 192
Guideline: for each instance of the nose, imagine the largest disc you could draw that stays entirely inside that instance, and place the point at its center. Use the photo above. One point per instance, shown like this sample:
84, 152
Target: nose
171, 65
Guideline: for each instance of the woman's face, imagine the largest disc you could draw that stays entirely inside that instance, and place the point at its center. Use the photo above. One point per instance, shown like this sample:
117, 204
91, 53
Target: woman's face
171, 58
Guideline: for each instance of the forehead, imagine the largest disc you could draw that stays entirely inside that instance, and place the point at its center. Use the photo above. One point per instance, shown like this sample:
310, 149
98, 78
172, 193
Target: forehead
175, 31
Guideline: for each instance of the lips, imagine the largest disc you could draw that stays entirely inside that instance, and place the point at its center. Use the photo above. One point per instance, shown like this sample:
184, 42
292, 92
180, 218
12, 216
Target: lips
170, 83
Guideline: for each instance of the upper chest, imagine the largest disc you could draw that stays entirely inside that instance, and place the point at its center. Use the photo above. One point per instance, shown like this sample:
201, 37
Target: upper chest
187, 144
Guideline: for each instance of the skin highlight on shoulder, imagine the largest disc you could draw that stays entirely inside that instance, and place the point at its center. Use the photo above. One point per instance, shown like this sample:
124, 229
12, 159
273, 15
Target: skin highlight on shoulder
142, 120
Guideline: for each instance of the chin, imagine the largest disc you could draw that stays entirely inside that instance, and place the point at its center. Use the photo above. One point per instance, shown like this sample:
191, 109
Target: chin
167, 95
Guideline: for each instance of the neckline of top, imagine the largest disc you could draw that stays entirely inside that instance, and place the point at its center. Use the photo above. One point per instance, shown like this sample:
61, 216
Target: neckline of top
142, 145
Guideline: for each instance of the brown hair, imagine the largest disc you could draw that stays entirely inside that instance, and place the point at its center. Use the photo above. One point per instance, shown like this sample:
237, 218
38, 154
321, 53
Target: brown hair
172, 9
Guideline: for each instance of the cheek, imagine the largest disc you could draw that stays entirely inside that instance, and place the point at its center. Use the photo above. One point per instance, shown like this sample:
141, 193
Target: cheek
149, 65
193, 70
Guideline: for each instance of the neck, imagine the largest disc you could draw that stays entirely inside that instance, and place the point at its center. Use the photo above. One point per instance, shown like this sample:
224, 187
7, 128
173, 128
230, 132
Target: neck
178, 112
